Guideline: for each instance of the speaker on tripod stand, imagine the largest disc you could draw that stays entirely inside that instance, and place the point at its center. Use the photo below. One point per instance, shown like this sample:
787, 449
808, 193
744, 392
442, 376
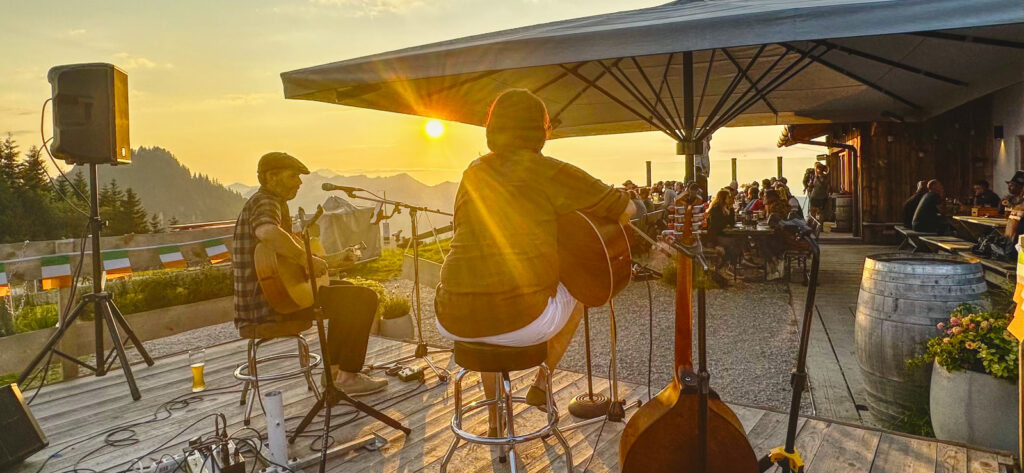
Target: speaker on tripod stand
90, 126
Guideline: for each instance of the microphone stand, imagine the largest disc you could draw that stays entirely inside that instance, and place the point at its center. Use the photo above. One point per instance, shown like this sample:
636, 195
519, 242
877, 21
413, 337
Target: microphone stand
331, 395
422, 350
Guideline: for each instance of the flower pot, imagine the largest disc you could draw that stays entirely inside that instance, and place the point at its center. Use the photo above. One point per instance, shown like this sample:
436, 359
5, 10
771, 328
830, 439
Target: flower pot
399, 328
974, 408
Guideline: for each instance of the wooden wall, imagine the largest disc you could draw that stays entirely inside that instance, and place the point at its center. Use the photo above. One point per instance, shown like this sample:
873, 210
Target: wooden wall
955, 148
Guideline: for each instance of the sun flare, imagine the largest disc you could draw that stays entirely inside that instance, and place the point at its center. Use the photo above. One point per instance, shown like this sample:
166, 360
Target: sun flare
434, 128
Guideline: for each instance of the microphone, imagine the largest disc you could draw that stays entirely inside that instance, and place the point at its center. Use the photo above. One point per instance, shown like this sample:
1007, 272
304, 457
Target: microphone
327, 186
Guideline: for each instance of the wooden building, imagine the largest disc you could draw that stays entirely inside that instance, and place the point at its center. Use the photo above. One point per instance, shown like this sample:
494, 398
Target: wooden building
879, 163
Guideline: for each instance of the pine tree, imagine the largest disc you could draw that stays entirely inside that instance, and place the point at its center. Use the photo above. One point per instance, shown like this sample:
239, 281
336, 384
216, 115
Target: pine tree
32, 172
156, 224
9, 159
173, 221
132, 213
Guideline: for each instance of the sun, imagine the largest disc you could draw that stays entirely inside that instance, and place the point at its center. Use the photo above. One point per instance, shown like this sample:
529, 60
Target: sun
434, 128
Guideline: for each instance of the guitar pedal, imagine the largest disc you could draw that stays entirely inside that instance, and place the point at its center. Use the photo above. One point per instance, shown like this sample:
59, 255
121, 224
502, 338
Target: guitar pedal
410, 373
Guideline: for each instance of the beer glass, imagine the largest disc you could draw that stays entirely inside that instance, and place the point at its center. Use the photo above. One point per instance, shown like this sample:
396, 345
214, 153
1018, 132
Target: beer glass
197, 360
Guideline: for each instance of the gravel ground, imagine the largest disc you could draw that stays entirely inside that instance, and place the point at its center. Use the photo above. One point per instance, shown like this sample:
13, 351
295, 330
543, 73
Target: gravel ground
752, 339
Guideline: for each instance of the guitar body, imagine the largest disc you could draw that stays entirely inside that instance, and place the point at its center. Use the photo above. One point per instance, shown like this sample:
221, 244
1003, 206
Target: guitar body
594, 259
285, 284
664, 434
667, 441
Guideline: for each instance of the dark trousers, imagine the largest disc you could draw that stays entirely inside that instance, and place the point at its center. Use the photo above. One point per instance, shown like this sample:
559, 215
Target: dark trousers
349, 311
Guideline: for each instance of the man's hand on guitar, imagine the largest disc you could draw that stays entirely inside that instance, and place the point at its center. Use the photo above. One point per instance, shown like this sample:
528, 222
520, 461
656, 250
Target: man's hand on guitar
319, 266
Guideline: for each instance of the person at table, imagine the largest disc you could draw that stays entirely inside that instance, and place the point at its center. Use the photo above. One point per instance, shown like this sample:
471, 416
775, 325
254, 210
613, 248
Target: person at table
670, 194
776, 208
690, 195
910, 205
645, 198
927, 217
983, 196
795, 209
500, 282
1015, 197
720, 216
754, 202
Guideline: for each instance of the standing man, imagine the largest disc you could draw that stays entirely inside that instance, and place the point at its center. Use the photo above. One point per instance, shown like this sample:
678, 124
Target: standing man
265, 219
928, 218
1015, 186
983, 195
818, 190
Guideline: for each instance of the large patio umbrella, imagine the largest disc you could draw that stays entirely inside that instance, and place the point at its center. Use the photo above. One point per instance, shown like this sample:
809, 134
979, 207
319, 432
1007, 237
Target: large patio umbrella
687, 68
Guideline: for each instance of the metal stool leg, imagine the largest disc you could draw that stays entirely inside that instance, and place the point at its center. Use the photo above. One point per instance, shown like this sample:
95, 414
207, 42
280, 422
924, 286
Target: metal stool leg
499, 409
304, 362
456, 421
245, 385
509, 420
255, 345
553, 419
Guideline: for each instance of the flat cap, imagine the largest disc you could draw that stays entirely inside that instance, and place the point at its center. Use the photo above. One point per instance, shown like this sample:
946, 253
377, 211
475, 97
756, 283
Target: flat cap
278, 160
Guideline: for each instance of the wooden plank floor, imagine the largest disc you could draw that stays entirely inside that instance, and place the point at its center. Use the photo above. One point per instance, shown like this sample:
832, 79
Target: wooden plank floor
80, 416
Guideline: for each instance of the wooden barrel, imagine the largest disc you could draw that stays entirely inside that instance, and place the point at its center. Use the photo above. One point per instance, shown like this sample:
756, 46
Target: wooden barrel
844, 212
902, 298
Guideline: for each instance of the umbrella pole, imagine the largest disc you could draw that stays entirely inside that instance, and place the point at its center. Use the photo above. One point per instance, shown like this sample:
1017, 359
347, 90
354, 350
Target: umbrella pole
689, 118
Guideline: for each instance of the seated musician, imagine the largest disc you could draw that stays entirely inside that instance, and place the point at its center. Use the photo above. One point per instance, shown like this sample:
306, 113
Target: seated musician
500, 283
265, 219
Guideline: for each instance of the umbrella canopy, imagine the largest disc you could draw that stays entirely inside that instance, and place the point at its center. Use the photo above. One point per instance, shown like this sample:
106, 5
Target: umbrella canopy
688, 68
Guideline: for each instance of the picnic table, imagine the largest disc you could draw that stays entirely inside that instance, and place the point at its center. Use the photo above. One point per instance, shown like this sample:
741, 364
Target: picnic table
977, 227
951, 244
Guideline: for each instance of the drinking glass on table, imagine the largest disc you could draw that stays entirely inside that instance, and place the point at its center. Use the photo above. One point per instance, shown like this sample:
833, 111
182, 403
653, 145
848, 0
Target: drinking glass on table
197, 360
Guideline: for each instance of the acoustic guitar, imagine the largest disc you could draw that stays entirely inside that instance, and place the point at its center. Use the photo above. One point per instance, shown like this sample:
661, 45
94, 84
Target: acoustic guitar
664, 434
594, 259
285, 283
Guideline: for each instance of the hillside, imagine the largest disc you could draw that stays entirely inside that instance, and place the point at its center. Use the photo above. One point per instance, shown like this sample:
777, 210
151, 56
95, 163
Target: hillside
400, 187
167, 187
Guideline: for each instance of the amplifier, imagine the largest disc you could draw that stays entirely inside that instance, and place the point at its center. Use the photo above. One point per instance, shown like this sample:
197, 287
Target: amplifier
20, 435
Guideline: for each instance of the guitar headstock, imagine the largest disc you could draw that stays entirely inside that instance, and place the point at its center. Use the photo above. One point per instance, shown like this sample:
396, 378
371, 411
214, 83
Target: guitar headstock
684, 223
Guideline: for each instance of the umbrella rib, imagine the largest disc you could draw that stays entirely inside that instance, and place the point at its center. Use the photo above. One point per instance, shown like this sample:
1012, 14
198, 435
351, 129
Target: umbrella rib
558, 78
617, 100
890, 62
586, 87
657, 93
736, 79
769, 87
858, 78
672, 96
752, 84
971, 39
635, 92
704, 86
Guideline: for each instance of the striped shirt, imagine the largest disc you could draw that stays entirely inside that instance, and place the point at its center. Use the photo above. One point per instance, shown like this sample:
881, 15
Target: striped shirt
262, 208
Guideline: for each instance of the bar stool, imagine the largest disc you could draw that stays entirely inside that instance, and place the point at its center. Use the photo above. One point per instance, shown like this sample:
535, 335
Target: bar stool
248, 372
481, 357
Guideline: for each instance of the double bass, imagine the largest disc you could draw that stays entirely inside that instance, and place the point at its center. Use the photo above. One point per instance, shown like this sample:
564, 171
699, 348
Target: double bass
686, 428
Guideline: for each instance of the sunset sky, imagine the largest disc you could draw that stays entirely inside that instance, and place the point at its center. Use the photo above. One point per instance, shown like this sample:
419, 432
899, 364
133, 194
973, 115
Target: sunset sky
204, 83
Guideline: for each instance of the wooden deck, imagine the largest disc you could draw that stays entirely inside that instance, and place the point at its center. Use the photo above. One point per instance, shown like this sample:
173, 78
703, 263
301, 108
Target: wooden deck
79, 414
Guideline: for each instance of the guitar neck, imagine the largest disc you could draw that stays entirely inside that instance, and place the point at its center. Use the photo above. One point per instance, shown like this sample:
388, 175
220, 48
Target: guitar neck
684, 314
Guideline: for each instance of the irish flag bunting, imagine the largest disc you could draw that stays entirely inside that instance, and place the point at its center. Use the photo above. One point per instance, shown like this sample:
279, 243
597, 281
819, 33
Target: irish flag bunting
216, 250
5, 287
56, 271
172, 258
116, 264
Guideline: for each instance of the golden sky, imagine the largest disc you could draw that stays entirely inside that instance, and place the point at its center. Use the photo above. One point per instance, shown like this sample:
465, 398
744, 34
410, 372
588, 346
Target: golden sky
204, 83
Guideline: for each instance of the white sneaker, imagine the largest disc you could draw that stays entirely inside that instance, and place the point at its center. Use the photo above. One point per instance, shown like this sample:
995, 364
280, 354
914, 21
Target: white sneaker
361, 385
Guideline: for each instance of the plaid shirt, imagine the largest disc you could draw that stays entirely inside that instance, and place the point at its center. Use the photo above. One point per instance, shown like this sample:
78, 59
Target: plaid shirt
263, 207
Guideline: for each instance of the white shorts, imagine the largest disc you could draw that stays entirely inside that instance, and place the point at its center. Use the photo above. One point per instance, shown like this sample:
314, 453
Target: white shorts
550, 322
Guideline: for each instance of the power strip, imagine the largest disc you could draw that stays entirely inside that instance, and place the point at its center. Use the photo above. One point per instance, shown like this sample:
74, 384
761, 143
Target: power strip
165, 464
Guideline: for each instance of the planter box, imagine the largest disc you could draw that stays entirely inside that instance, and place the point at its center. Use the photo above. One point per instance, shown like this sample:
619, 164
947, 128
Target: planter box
18, 350
974, 408
430, 272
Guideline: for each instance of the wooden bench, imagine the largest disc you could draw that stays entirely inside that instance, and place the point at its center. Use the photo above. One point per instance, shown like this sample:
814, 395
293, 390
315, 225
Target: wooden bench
949, 244
912, 239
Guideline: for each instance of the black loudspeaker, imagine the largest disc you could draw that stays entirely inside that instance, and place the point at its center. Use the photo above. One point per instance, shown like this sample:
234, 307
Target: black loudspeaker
90, 114
20, 435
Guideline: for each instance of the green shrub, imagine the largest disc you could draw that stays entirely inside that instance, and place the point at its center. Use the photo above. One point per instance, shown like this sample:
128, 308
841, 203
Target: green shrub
388, 266
430, 252
37, 317
394, 307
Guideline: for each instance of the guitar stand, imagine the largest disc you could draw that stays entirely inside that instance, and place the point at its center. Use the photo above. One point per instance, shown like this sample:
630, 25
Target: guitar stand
595, 408
787, 457
331, 395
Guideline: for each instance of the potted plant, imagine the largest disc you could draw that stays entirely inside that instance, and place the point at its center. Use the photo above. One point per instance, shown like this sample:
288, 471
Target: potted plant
974, 371
395, 321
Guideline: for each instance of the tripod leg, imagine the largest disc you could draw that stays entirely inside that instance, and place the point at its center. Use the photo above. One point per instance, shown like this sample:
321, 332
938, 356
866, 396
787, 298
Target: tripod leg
115, 338
52, 342
373, 412
327, 433
442, 374
310, 415
119, 317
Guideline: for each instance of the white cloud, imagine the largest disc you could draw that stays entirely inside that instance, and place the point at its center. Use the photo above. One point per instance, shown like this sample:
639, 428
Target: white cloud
74, 32
129, 61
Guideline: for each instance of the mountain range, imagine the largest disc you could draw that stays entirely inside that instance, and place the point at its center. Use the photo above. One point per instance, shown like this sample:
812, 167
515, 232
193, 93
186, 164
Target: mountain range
169, 188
